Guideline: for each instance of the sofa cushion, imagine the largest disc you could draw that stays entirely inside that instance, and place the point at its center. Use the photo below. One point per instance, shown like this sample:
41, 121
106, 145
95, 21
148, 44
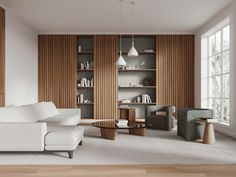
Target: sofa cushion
12, 114
30, 113
53, 111
63, 119
63, 137
42, 110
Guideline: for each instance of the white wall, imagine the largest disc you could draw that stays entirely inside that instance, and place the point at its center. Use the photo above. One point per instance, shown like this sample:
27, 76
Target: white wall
229, 11
21, 62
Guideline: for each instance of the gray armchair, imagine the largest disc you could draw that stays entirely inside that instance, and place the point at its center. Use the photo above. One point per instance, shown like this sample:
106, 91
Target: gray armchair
187, 127
160, 117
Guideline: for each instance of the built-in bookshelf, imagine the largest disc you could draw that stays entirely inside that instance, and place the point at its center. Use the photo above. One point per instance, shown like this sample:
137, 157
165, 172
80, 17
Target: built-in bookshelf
85, 76
132, 89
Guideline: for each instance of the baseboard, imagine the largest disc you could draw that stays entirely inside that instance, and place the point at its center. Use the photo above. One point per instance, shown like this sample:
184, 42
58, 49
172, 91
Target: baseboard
225, 130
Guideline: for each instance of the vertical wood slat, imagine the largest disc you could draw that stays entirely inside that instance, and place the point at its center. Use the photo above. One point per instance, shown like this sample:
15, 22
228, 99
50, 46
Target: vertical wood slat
105, 77
57, 69
2, 57
175, 70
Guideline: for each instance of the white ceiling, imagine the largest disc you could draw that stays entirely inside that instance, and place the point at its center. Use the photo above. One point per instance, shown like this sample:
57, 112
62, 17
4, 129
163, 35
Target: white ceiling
102, 16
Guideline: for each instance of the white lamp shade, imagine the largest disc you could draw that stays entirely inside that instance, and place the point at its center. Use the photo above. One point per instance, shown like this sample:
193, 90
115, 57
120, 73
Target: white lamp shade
132, 52
120, 61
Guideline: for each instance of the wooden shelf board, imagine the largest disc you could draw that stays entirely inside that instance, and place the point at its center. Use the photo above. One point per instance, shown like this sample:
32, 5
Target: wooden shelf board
136, 70
84, 104
85, 53
141, 53
137, 103
85, 87
144, 87
87, 118
85, 70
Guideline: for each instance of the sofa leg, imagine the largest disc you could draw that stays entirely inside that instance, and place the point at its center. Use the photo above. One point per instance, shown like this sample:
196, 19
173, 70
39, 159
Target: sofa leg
81, 142
70, 153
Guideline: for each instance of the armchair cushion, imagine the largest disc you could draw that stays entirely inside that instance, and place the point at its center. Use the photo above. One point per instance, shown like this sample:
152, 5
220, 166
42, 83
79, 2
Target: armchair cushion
161, 113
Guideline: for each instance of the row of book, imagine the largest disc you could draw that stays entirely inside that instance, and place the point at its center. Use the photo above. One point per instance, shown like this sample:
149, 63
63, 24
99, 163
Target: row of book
146, 98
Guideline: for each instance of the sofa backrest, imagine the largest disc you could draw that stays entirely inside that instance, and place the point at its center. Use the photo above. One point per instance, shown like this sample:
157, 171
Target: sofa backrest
12, 114
53, 111
28, 113
40, 111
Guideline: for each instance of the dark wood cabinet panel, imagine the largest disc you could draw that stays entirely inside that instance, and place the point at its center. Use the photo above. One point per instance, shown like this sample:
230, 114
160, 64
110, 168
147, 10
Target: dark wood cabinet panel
57, 69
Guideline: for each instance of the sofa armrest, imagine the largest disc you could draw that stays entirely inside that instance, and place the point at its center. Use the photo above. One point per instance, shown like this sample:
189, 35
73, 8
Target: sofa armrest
22, 136
71, 111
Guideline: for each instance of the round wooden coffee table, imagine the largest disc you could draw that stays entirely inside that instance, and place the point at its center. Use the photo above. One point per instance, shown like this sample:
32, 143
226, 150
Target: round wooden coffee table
109, 129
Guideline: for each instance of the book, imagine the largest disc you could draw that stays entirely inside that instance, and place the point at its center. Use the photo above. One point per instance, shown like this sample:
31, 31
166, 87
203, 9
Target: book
122, 123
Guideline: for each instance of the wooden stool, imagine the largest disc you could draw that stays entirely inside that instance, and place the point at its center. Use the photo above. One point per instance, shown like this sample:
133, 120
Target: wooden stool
127, 113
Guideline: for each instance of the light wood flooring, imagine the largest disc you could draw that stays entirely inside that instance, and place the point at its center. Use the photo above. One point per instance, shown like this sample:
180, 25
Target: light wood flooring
119, 171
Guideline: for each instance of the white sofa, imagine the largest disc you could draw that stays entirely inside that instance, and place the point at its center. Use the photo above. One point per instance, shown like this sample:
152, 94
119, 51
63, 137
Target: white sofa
40, 127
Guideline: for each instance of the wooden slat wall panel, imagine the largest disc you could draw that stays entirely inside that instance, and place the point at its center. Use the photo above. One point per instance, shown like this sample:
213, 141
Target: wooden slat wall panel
57, 69
175, 70
105, 74
2, 57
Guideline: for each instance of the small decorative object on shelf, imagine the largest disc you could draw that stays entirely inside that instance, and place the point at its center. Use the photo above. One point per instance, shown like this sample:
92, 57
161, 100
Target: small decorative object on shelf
125, 101
124, 106
79, 48
148, 81
81, 98
87, 101
138, 99
82, 66
142, 65
129, 67
148, 50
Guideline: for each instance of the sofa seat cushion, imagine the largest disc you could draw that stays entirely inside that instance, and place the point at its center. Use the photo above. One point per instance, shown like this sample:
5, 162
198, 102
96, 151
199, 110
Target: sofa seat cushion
63, 138
63, 119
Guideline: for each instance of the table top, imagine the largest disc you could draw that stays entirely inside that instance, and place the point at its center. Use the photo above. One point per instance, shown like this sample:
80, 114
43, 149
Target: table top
113, 125
205, 119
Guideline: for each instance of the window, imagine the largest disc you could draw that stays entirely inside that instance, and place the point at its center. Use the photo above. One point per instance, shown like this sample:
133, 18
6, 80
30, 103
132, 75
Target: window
215, 72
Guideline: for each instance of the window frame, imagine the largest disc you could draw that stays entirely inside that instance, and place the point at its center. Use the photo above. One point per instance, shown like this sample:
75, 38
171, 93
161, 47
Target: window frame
207, 59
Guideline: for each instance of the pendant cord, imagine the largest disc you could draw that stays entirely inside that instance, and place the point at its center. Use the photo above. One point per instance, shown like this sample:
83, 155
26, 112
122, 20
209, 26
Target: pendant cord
120, 26
132, 3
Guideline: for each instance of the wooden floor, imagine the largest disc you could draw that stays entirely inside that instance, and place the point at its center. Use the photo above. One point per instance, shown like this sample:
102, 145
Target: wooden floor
120, 171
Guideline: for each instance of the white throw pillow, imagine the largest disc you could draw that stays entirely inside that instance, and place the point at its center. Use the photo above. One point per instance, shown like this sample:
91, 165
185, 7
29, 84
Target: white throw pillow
42, 110
52, 109
29, 112
11, 114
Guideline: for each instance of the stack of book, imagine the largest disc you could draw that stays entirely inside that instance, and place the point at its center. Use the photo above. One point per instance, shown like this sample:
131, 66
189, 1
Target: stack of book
146, 98
122, 123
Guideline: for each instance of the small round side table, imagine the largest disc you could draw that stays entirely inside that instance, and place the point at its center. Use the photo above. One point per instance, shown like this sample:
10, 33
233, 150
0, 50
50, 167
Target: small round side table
209, 133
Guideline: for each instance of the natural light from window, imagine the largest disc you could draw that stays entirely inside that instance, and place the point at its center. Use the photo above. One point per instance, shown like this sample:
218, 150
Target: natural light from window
215, 72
